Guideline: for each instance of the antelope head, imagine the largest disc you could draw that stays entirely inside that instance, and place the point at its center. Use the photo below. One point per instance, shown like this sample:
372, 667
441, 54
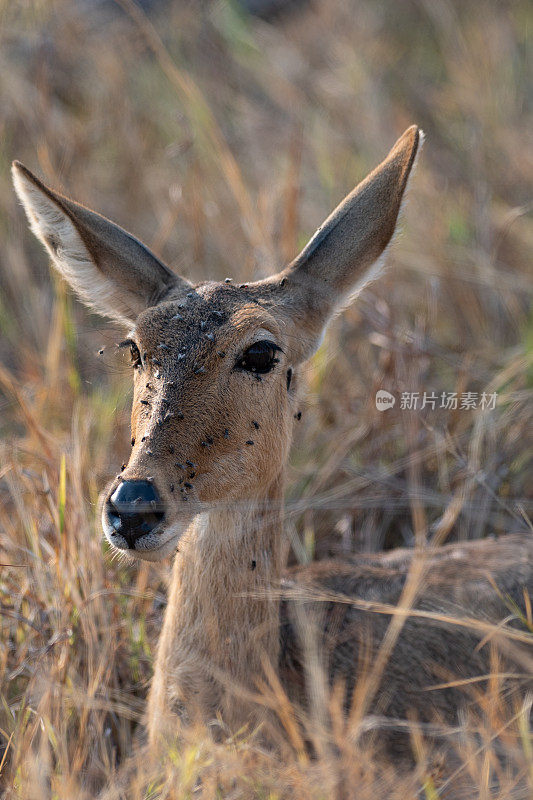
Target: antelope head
215, 365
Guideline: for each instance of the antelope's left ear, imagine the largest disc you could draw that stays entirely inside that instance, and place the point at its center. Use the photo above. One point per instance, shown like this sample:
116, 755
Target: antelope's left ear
346, 251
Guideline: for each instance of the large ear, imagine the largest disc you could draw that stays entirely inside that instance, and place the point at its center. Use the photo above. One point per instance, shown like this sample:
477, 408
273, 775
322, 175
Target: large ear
110, 269
347, 251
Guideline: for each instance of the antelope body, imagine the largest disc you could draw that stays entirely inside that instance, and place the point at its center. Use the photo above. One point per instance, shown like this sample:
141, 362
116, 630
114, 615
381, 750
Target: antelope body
216, 376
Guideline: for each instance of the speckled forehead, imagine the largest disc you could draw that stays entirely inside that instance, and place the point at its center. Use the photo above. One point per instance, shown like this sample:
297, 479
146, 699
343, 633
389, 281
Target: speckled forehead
207, 312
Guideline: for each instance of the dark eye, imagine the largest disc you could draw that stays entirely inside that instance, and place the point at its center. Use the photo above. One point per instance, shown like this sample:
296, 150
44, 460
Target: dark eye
135, 354
260, 357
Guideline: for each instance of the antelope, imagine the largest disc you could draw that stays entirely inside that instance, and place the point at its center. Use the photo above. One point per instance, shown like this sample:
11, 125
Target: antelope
217, 372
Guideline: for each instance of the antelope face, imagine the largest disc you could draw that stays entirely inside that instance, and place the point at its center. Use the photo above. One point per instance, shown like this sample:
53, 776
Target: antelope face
212, 414
214, 364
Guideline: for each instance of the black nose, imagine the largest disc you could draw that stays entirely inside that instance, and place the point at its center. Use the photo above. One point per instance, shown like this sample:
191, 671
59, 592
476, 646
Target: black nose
133, 510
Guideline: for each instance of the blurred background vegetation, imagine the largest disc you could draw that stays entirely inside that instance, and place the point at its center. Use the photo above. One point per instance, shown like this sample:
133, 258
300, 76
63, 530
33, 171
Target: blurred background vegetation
223, 138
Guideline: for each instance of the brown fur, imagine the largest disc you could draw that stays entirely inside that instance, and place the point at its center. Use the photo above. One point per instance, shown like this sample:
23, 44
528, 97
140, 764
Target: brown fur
215, 439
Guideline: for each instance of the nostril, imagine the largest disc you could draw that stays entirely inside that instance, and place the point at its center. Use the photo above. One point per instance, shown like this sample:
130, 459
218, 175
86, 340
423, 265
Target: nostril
134, 509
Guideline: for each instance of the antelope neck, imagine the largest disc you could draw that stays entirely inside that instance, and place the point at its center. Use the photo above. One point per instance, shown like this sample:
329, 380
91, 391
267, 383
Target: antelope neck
222, 616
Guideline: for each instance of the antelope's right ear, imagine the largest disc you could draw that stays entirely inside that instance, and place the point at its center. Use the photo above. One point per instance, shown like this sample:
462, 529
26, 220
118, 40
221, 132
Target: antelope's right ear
111, 270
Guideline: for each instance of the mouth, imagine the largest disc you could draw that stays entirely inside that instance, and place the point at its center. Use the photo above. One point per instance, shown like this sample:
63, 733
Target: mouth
156, 545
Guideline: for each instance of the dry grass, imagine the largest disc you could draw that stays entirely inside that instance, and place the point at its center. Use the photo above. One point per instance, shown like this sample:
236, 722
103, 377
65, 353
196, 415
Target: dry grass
223, 141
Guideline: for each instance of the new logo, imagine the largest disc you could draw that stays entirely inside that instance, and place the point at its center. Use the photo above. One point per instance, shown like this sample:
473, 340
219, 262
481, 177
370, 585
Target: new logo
384, 400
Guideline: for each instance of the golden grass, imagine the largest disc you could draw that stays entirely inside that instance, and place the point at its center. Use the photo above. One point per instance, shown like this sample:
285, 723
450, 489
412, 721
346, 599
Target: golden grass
223, 141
